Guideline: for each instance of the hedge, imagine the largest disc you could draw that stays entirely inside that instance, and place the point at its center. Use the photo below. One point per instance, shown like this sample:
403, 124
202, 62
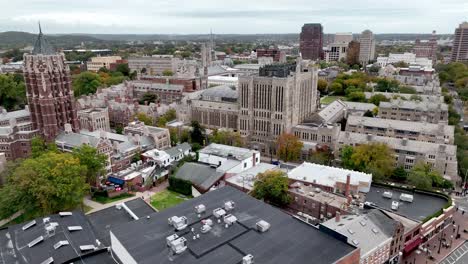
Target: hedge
180, 186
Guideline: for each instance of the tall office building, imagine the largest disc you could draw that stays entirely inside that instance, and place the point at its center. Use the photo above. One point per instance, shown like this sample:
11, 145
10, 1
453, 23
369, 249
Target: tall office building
311, 41
274, 101
49, 90
460, 43
367, 47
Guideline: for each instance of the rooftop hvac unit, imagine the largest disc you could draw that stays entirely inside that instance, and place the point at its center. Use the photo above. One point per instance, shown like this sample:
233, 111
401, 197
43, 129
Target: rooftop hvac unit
263, 226
387, 195
179, 223
248, 259
406, 197
230, 219
171, 238
205, 229
395, 205
87, 247
179, 245
62, 214
219, 212
229, 205
207, 222
201, 208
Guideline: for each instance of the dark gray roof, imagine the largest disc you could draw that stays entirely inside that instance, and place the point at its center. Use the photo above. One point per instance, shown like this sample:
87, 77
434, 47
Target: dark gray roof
288, 240
103, 220
423, 205
201, 175
14, 241
42, 46
383, 221
179, 149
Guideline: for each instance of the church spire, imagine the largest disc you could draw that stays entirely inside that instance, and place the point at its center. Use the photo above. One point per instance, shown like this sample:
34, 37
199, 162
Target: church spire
42, 46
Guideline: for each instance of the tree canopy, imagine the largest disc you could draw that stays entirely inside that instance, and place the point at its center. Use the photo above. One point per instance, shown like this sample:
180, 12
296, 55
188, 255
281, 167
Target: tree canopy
424, 177
272, 186
95, 162
375, 158
289, 147
197, 135
86, 83
12, 91
227, 137
46, 184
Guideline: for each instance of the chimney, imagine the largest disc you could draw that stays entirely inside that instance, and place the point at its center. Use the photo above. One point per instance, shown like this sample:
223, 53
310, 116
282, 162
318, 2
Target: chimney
347, 188
338, 216
253, 157
442, 148
68, 128
369, 137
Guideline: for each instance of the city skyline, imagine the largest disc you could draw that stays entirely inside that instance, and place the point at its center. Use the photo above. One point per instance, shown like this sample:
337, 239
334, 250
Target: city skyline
166, 17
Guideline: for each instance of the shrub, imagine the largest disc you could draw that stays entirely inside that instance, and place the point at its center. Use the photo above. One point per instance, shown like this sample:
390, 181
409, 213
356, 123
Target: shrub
180, 186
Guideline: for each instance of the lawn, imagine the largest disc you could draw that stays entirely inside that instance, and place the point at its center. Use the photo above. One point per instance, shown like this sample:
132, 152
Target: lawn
167, 199
329, 99
104, 200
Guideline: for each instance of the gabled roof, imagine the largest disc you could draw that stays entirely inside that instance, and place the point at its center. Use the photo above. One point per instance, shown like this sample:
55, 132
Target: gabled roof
201, 175
42, 46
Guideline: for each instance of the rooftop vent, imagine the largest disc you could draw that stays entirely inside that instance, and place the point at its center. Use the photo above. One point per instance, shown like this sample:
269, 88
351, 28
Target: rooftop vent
179, 223
50, 260
36, 241
74, 228
387, 194
171, 238
61, 243
355, 242
201, 208
62, 214
219, 212
375, 231
29, 225
179, 245
87, 247
351, 231
248, 259
362, 223
263, 226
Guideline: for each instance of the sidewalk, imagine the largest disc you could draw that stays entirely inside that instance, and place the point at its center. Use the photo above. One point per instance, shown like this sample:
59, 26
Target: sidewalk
449, 238
146, 195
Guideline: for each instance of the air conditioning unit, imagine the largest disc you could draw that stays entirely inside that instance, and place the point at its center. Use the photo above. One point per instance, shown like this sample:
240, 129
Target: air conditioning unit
201, 208
171, 238
263, 226
248, 259
219, 212
179, 245
205, 229
229, 205
230, 219
179, 223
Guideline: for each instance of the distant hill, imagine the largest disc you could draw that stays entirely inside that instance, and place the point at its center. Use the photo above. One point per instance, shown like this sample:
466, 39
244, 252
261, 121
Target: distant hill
15, 39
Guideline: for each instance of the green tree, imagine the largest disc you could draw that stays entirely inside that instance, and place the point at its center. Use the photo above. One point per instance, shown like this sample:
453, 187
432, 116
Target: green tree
38, 146
322, 86
86, 83
95, 162
377, 98
368, 113
167, 73
197, 134
424, 177
227, 137
123, 68
356, 97
337, 88
162, 121
174, 136
12, 92
144, 118
399, 174
148, 97
170, 115
185, 135
375, 158
346, 154
407, 90
44, 185
289, 147
321, 157
272, 186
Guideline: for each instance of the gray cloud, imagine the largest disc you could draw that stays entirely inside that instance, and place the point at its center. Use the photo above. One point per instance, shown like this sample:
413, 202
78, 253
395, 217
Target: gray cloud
242, 16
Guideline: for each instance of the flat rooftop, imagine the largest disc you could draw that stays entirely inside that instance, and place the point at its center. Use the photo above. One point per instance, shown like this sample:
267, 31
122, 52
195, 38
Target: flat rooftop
103, 220
287, 241
228, 151
423, 205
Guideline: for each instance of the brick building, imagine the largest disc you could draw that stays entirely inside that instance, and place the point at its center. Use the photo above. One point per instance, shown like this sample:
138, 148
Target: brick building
460, 43
49, 90
427, 49
276, 54
16, 132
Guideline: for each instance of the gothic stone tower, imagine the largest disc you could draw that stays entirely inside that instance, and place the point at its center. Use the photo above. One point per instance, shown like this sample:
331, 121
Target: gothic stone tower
49, 90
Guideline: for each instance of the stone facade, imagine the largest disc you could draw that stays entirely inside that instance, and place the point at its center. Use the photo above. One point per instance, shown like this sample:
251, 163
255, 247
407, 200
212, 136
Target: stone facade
460, 43
97, 63
16, 132
154, 65
94, 119
49, 90
216, 108
275, 101
160, 136
367, 47
419, 111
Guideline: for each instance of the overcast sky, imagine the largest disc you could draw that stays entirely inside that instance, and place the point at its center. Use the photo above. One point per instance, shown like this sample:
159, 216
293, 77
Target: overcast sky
240, 16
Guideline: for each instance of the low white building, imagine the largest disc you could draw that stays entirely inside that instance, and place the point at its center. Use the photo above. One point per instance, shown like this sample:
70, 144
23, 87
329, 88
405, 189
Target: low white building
331, 179
407, 57
229, 159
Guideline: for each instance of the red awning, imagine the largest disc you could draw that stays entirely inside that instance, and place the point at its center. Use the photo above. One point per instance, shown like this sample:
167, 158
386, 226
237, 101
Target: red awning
412, 245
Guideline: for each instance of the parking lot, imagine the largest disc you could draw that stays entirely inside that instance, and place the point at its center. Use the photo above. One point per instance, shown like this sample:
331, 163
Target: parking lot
458, 256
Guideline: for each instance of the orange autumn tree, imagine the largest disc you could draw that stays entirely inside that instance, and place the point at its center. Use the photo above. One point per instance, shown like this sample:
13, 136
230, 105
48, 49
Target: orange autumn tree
288, 147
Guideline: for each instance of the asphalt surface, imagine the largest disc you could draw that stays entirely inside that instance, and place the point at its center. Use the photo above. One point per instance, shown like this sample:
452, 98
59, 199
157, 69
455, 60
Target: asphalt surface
458, 256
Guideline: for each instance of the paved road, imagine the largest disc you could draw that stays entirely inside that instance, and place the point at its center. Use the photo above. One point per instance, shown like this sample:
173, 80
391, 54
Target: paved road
458, 256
